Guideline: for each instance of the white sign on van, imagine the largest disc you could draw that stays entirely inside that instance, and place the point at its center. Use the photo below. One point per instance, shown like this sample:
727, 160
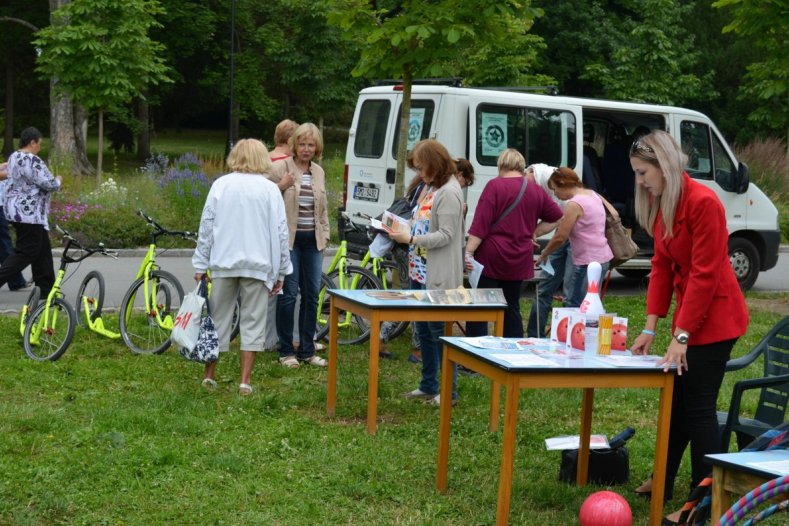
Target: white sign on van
415, 124
494, 133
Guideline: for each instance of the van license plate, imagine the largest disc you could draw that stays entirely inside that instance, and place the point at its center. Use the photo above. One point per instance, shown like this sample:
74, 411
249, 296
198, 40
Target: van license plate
365, 194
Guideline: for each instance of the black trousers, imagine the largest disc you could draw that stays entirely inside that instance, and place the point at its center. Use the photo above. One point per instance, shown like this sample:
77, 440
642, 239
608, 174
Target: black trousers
693, 411
513, 321
32, 248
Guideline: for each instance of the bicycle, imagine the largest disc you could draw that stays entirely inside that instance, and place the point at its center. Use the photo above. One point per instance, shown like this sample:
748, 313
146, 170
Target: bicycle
384, 274
45, 337
152, 300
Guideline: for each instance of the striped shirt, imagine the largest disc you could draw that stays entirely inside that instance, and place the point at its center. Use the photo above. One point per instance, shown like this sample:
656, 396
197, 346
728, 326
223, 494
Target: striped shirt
306, 220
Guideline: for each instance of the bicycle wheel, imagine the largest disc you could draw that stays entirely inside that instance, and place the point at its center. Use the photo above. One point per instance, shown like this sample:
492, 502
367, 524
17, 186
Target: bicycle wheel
27, 308
48, 341
92, 290
352, 329
322, 327
394, 277
235, 328
146, 330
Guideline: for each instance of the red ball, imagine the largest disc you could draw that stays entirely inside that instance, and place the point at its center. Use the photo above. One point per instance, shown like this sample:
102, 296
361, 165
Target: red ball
606, 508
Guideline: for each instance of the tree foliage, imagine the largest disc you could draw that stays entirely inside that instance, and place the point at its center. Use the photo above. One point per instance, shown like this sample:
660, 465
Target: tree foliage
423, 38
767, 81
100, 52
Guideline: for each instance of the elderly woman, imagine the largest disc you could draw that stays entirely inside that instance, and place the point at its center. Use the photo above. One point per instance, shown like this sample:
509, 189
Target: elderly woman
691, 264
435, 249
303, 186
28, 193
584, 225
243, 239
511, 211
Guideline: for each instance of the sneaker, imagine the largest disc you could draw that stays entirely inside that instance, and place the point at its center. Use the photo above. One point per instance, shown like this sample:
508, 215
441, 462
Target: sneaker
315, 360
417, 393
436, 401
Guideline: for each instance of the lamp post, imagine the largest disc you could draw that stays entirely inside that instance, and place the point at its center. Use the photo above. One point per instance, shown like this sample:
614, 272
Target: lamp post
231, 134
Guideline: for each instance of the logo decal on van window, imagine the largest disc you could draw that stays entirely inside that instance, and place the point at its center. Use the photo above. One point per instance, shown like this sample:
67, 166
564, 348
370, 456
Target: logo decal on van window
494, 127
415, 124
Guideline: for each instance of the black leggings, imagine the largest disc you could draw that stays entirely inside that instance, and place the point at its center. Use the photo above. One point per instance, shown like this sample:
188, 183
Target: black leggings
32, 248
513, 321
693, 411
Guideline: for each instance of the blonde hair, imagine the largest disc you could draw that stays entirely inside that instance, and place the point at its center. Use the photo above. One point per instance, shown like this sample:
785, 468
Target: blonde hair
511, 160
284, 131
249, 156
661, 150
307, 130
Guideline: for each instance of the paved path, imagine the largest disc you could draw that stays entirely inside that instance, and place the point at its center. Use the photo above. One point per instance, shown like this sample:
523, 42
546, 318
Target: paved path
119, 273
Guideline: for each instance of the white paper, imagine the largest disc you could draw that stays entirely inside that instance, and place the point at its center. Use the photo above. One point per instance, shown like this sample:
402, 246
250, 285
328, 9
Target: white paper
394, 223
497, 343
524, 360
475, 273
574, 442
547, 267
632, 361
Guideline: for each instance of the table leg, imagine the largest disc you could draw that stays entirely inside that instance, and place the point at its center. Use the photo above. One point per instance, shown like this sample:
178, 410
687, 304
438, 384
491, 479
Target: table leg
332, 387
661, 451
582, 473
507, 451
721, 499
372, 380
495, 388
445, 421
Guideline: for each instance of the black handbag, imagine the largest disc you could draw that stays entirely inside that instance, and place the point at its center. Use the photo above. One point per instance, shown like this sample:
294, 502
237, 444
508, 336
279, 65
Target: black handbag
607, 467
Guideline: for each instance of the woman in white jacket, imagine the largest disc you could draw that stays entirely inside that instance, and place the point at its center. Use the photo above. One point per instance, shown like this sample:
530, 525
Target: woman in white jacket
243, 239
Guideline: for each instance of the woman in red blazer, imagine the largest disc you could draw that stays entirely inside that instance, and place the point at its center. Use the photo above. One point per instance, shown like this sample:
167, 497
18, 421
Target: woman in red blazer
691, 263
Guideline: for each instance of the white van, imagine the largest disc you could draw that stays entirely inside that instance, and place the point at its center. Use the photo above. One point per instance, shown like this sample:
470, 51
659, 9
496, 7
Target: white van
479, 123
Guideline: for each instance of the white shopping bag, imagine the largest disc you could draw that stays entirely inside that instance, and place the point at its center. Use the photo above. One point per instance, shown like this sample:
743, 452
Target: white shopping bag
186, 328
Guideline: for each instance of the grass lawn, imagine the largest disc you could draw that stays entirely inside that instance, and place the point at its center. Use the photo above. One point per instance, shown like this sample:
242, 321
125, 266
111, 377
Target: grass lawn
103, 436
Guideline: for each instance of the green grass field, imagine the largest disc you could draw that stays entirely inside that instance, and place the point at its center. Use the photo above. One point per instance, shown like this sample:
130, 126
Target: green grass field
103, 436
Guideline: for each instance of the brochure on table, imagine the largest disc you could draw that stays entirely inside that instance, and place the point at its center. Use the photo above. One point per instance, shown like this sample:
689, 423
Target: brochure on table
542, 352
459, 296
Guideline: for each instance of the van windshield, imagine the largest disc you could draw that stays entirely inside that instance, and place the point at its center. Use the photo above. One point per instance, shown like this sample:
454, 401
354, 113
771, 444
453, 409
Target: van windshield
543, 135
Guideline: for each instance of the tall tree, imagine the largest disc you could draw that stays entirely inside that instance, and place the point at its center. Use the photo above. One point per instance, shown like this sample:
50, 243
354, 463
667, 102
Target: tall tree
412, 38
101, 54
652, 58
767, 81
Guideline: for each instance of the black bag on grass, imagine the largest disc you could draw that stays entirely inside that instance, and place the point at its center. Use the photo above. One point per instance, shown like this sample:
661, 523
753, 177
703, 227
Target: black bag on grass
607, 467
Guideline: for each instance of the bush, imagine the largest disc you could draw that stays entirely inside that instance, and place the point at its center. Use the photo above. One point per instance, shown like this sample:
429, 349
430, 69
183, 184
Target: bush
768, 162
184, 188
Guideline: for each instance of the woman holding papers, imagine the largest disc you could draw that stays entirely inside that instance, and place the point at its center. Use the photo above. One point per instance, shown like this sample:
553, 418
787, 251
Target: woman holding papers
510, 213
584, 225
691, 263
435, 256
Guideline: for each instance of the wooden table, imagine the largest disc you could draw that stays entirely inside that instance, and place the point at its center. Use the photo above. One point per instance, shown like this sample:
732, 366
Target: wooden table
377, 311
586, 372
735, 473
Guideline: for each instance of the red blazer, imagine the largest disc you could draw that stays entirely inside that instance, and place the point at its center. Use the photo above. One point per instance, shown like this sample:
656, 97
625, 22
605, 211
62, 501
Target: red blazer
695, 266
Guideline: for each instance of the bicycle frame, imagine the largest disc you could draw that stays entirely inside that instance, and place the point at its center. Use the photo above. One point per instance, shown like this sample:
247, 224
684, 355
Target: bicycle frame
97, 325
45, 324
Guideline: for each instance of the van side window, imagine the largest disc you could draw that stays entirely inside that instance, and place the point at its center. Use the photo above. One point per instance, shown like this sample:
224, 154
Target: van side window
725, 169
371, 129
543, 136
419, 124
696, 145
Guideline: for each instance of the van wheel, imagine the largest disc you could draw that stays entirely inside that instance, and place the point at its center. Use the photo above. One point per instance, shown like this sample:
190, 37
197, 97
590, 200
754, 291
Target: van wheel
634, 273
745, 261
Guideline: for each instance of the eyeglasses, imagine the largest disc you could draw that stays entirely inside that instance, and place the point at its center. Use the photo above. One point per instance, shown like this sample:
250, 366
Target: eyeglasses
637, 146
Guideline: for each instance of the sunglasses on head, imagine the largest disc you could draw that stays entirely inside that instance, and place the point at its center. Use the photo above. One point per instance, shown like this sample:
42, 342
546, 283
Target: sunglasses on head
638, 146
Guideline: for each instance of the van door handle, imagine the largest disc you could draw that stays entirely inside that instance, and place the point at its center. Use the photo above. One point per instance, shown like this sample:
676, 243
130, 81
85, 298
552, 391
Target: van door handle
390, 175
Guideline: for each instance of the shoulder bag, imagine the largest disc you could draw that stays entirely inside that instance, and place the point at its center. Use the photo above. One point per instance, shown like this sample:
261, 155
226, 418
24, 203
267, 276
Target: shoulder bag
509, 209
620, 242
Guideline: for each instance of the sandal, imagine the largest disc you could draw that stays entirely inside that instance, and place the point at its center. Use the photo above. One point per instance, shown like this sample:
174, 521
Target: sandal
244, 389
289, 361
208, 383
315, 360
645, 489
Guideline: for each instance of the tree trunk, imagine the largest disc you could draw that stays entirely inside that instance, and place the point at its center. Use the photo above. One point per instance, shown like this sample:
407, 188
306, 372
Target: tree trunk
67, 122
8, 133
101, 146
144, 138
405, 114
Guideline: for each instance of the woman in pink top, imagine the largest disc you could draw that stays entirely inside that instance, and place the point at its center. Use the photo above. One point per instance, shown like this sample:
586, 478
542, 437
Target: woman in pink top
584, 224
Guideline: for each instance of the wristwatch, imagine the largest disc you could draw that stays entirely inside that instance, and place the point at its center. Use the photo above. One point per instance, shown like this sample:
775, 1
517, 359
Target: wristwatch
682, 338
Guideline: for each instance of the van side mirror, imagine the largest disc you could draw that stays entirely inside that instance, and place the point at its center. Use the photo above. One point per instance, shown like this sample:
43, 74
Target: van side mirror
743, 178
